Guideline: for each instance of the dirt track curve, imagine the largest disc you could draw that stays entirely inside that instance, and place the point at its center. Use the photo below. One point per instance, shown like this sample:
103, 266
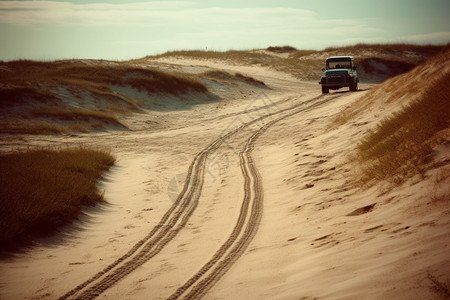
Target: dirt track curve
178, 214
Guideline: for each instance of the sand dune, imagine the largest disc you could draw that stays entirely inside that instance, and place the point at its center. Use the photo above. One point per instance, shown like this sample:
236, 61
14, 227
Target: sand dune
249, 194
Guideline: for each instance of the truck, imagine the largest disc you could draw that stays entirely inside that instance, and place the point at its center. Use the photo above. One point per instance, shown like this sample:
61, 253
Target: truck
340, 71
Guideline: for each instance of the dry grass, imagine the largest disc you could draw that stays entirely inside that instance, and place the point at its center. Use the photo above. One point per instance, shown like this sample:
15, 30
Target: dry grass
44, 189
400, 146
397, 58
399, 89
76, 114
301, 53
388, 48
350, 113
383, 68
94, 76
282, 49
218, 76
32, 89
240, 57
19, 95
227, 77
307, 64
10, 125
249, 80
60, 120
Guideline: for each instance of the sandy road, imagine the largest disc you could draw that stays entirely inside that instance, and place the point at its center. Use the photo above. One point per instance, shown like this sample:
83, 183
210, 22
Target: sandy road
194, 280
178, 215
250, 214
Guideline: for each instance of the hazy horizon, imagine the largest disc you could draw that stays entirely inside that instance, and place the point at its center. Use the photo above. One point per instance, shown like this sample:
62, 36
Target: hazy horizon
47, 30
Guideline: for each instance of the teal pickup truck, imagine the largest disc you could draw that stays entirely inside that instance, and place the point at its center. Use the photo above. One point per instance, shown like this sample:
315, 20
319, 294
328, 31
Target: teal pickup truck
340, 72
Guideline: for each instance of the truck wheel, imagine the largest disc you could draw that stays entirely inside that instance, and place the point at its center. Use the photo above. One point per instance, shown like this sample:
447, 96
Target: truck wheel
325, 90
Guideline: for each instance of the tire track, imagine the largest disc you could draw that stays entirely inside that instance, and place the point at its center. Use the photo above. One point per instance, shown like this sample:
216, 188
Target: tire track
170, 224
246, 227
178, 214
253, 195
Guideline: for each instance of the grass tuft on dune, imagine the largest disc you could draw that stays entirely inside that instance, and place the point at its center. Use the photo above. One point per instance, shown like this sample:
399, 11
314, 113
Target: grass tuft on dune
41, 190
400, 146
281, 49
227, 77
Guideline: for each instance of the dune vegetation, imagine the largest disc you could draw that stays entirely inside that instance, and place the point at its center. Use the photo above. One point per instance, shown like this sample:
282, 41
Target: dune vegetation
307, 64
41, 190
281, 49
388, 48
223, 76
242, 57
97, 76
40, 97
400, 146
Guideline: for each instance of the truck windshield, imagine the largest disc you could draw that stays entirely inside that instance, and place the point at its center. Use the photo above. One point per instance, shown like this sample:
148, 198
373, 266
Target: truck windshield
343, 63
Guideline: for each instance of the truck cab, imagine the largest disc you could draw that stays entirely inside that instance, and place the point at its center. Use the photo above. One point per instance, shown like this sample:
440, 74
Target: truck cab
340, 71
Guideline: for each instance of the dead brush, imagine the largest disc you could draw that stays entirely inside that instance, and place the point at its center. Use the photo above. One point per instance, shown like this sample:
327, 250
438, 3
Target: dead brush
43, 189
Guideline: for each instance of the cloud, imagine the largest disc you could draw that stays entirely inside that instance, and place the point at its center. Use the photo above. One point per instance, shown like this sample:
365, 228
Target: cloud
429, 38
182, 14
95, 14
134, 28
180, 19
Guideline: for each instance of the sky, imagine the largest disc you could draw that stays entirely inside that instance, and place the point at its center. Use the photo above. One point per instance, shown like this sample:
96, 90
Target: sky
120, 30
